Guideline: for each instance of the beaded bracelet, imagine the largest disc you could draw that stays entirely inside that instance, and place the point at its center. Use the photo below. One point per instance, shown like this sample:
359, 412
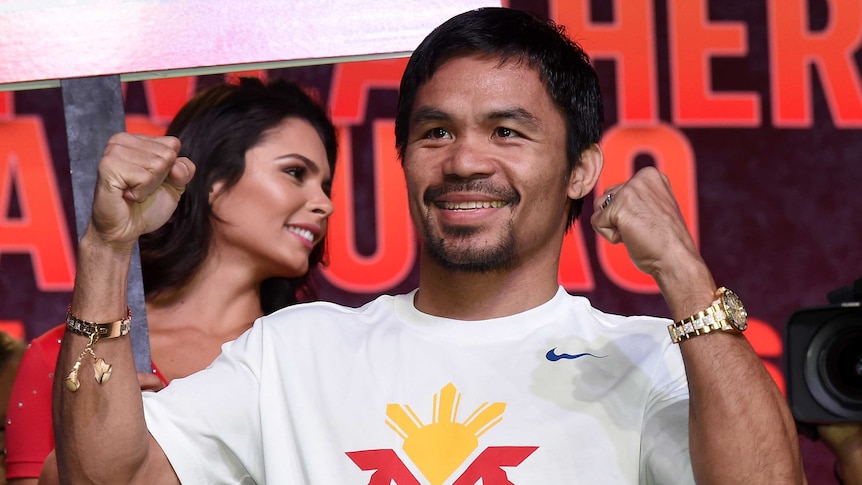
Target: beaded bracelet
94, 331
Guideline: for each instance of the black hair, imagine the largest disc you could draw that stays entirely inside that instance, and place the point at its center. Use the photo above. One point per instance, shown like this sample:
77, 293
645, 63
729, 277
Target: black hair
217, 127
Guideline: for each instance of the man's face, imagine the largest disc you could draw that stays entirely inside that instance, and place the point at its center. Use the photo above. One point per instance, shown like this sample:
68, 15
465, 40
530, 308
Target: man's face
485, 164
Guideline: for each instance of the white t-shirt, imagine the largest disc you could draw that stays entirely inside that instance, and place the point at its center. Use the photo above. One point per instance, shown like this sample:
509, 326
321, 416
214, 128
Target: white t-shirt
323, 394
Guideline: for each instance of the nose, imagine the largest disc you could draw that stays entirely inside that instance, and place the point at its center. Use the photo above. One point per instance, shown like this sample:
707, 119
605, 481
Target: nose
468, 159
320, 203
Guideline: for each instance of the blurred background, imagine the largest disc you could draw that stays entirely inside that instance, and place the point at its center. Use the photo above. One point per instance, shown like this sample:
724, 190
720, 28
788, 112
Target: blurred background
752, 108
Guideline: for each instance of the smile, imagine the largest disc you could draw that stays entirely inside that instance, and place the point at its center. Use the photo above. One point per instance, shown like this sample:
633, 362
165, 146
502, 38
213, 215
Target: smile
304, 233
471, 205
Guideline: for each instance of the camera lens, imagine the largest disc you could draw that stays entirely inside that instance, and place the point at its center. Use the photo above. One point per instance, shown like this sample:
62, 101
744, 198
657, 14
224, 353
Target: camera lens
841, 366
823, 358
837, 348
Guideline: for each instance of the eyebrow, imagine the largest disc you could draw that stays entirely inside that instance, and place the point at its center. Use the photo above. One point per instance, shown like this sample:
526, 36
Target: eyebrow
520, 115
309, 163
426, 114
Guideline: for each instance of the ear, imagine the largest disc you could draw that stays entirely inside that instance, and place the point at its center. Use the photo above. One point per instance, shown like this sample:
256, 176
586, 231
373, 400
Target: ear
215, 190
586, 172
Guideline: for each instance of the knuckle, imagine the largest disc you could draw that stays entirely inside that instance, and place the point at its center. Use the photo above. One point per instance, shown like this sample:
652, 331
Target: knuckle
159, 158
119, 137
171, 143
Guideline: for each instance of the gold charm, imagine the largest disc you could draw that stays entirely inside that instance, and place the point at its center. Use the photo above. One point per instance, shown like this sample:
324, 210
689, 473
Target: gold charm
72, 382
102, 370
93, 331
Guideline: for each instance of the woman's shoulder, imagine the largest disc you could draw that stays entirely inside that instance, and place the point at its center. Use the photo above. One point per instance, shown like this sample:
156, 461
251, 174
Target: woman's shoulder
49, 342
40, 357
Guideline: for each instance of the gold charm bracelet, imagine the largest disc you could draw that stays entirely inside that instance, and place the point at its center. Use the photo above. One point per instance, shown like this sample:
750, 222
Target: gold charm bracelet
94, 332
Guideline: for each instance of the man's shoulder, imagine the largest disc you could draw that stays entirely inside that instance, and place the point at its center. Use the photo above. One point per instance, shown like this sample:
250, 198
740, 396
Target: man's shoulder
323, 320
323, 310
612, 319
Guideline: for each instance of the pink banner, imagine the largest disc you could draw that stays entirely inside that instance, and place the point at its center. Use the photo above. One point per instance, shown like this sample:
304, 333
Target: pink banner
52, 40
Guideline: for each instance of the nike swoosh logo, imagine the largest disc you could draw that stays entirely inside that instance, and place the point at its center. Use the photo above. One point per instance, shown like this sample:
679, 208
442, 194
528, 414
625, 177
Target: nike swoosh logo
553, 356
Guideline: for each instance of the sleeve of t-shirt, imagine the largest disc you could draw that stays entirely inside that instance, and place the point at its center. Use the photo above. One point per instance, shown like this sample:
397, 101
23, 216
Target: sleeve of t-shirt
29, 433
208, 423
665, 457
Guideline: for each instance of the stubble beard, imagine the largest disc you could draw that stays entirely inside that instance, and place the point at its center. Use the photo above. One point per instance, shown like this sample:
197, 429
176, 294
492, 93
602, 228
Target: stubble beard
455, 250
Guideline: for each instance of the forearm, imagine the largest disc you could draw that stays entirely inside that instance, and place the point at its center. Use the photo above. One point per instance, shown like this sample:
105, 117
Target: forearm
100, 433
741, 430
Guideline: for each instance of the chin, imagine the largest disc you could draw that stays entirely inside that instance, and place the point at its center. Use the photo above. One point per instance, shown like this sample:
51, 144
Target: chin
287, 270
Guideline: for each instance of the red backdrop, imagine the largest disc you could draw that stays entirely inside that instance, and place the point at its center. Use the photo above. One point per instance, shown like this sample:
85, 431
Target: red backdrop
751, 107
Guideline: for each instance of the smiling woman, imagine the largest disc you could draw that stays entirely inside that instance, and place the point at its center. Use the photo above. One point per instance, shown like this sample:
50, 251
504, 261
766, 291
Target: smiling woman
285, 172
240, 244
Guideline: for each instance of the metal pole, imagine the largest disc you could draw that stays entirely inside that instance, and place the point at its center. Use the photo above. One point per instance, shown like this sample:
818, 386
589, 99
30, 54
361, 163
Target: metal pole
93, 107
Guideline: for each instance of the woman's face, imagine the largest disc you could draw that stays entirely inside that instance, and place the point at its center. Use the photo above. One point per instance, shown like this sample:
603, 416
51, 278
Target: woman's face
277, 212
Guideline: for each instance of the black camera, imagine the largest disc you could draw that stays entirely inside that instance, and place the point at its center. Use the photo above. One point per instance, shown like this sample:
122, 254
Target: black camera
823, 359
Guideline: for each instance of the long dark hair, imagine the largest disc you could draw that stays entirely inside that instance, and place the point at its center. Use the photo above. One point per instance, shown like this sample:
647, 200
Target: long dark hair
217, 127
519, 36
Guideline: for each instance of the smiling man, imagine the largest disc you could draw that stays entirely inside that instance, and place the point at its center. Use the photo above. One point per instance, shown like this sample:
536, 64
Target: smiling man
489, 184
474, 153
489, 372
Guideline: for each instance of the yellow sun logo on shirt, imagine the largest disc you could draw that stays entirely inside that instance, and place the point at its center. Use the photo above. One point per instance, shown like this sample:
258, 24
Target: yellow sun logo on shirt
440, 447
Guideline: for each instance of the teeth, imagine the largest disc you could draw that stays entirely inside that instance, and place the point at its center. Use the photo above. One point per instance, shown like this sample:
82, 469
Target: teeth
302, 232
473, 205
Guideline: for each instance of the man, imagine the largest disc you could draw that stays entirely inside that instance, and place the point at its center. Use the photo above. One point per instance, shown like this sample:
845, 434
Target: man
489, 370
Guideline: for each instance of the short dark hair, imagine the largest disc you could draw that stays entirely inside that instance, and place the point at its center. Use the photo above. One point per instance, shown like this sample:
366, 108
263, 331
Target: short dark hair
217, 127
513, 35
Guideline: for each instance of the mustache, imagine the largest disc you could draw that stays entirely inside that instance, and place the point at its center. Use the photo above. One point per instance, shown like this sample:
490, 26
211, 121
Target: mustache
486, 187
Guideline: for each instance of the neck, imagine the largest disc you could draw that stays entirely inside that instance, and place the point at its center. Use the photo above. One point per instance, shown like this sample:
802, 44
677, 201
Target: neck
216, 304
481, 296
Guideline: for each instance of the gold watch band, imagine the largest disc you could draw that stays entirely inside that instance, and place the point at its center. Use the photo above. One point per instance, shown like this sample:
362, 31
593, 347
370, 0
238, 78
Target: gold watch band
709, 320
726, 314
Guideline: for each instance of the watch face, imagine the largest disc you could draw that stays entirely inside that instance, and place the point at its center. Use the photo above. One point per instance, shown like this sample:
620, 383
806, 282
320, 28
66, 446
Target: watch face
736, 314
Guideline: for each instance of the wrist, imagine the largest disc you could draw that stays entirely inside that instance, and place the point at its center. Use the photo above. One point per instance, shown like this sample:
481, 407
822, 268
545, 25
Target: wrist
687, 289
726, 314
101, 279
94, 332
97, 331
99, 241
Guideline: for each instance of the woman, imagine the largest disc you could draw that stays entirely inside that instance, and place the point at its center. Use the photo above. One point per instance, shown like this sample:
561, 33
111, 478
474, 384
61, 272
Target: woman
240, 243
10, 356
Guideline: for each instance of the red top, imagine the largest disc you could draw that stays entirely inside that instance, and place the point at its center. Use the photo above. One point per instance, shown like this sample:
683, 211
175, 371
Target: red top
29, 432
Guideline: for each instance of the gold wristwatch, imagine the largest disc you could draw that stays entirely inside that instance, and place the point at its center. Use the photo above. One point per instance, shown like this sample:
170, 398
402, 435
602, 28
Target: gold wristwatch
726, 314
